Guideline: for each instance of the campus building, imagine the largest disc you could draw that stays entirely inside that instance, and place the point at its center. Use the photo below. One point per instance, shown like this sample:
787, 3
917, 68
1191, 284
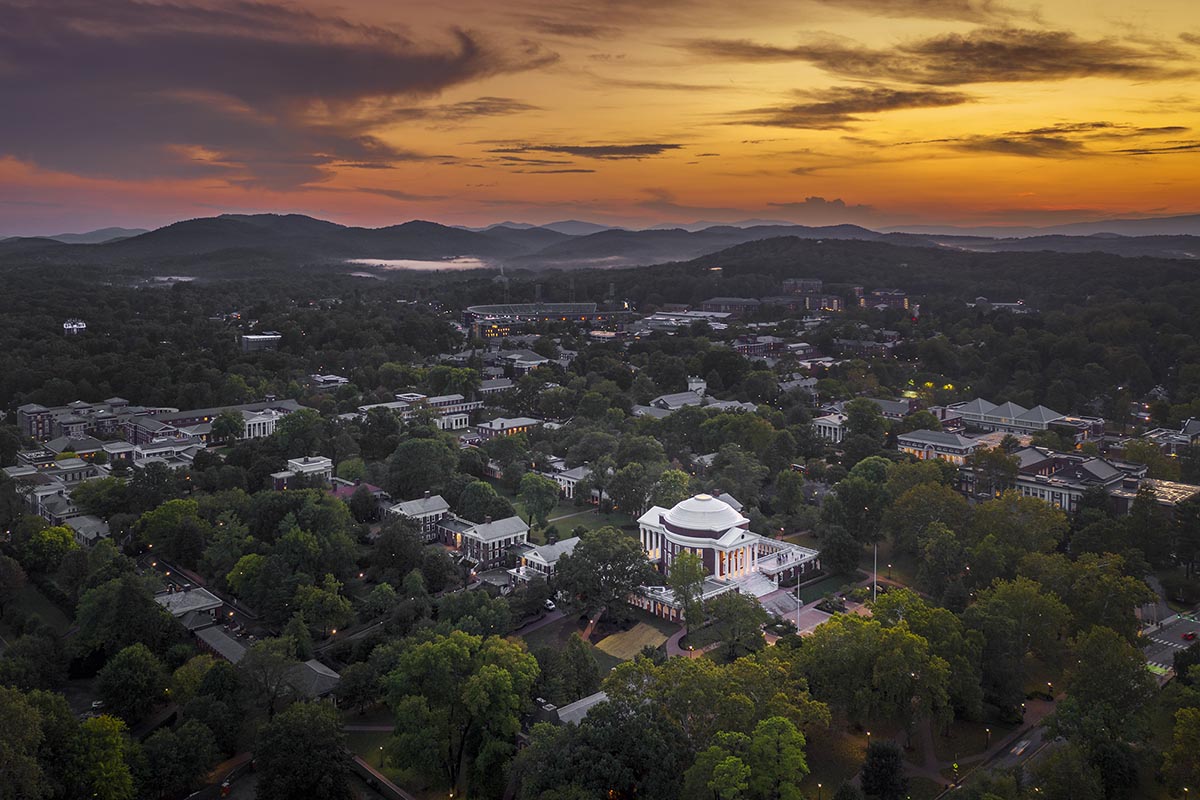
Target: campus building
735, 558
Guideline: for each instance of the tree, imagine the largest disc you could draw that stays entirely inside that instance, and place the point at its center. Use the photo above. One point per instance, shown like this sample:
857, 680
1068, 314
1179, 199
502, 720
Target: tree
738, 621
1014, 525
228, 425
398, 549
839, 550
867, 669
539, 495
630, 489
380, 601
118, 613
100, 763
186, 680
883, 771
673, 486
948, 639
45, 549
789, 491
924, 504
302, 641
1015, 618
132, 682
420, 465
857, 504
686, 580
12, 580
324, 606
738, 472
1096, 588
459, 699
1108, 688
994, 469
943, 559
1179, 762
359, 686
265, 672
605, 567
363, 506
176, 760
1066, 774
20, 735
302, 753
776, 759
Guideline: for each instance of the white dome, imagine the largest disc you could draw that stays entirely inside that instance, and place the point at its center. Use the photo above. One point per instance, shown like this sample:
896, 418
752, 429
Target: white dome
704, 513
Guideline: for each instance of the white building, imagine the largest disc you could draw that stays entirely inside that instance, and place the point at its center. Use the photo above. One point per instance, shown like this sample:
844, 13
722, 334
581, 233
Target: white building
426, 511
831, 427
938, 444
541, 562
721, 536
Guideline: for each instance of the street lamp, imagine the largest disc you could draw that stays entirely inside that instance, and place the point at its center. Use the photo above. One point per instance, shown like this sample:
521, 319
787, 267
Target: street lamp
889, 572
818, 791
989, 738
381, 756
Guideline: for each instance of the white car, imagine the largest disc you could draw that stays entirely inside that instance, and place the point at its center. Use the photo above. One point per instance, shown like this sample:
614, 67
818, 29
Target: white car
549, 605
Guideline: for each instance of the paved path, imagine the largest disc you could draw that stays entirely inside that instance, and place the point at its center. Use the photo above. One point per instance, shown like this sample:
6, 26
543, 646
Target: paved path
569, 516
368, 728
673, 648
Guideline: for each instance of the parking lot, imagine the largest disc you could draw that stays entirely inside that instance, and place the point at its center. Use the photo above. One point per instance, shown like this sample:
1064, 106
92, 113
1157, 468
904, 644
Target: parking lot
1162, 643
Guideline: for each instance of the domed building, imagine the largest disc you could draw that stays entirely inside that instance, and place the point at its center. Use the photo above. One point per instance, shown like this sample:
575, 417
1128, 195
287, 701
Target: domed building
735, 557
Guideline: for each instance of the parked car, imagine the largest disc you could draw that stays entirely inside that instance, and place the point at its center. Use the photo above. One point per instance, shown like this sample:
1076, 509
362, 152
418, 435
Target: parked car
549, 605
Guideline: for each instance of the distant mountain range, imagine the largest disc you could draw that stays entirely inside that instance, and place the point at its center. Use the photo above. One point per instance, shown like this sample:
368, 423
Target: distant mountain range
569, 244
91, 237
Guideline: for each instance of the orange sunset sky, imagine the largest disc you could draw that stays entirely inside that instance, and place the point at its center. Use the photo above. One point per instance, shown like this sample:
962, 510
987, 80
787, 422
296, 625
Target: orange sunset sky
372, 112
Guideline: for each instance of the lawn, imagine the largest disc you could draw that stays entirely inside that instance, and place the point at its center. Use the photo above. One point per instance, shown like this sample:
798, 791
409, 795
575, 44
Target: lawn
627, 644
815, 591
967, 738
898, 567
556, 634
834, 757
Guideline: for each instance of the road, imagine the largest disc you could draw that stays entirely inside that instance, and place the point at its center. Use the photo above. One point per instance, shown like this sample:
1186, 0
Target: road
1163, 641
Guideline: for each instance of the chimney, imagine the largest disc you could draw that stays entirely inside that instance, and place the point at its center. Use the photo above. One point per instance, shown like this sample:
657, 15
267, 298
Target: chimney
427, 494
487, 519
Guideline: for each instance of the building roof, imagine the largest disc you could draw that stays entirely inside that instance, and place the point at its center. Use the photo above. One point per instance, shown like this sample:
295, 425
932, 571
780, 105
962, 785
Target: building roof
313, 679
180, 603
500, 529
88, 527
704, 513
574, 713
504, 423
937, 439
1008, 410
1040, 414
550, 553
222, 643
677, 400
978, 406
422, 506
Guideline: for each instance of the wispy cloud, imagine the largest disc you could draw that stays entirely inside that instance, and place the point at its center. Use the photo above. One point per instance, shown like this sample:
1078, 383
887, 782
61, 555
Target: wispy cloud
841, 106
984, 55
254, 92
596, 151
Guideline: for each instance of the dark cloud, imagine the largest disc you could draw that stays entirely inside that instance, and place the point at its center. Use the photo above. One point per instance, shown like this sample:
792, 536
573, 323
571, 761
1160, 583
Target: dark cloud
968, 10
1190, 38
540, 162
256, 93
396, 194
573, 30
464, 110
1062, 139
839, 106
821, 204
550, 171
1164, 149
596, 151
1030, 146
982, 56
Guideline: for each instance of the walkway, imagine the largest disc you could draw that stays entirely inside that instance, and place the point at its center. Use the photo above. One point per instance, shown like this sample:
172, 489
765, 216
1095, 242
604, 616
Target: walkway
673, 648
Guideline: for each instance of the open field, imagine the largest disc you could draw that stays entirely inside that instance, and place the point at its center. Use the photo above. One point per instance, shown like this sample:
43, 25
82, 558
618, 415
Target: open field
628, 644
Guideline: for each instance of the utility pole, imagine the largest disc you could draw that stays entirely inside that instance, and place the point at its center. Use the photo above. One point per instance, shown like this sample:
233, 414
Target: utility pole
875, 576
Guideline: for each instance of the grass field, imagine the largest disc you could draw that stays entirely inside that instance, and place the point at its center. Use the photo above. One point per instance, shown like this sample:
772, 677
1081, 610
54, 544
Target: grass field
628, 644
556, 634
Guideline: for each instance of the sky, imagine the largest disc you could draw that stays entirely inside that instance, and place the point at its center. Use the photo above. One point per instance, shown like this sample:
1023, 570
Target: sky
138, 113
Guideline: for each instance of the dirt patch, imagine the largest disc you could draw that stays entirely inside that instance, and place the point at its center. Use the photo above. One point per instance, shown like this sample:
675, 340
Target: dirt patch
629, 643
